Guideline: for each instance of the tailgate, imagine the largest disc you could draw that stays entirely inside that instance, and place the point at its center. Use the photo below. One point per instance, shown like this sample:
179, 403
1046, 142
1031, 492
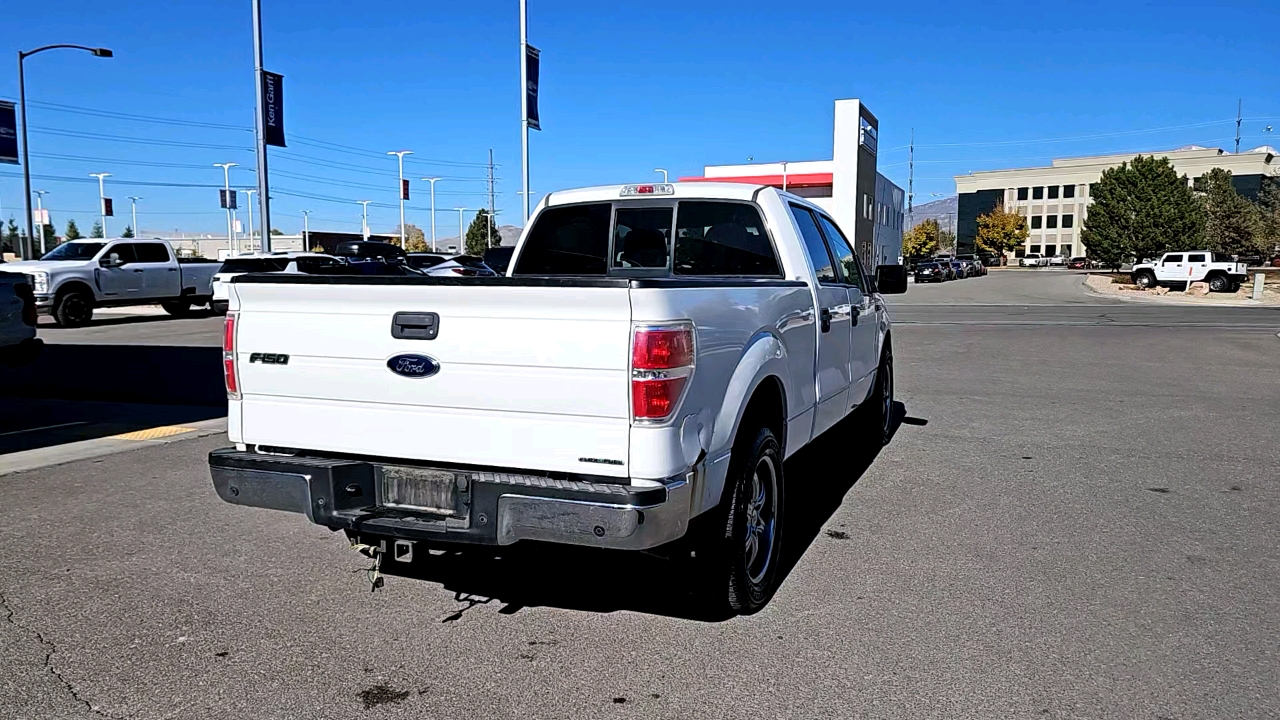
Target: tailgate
528, 377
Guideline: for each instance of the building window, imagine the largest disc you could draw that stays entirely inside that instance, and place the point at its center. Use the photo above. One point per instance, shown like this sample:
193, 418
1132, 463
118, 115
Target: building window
1051, 222
1035, 249
1037, 193
1068, 221
1019, 252
1068, 191
1035, 224
1053, 192
1197, 184
1050, 250
1022, 193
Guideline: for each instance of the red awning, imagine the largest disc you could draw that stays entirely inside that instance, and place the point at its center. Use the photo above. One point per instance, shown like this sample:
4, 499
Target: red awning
793, 179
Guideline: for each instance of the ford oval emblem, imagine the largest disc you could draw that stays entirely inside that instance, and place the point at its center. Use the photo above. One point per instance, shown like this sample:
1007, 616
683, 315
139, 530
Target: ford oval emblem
413, 366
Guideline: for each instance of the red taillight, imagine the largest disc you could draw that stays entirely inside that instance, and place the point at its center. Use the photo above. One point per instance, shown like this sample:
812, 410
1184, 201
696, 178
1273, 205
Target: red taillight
662, 360
463, 271
229, 357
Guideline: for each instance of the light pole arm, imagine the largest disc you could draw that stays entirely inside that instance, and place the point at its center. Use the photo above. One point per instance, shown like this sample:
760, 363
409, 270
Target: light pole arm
99, 52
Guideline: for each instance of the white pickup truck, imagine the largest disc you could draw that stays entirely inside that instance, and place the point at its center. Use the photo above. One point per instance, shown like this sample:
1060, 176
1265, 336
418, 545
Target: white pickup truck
652, 356
1178, 268
81, 275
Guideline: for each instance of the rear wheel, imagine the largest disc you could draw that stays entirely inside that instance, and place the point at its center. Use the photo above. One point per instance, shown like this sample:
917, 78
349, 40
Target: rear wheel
73, 309
177, 308
880, 403
740, 557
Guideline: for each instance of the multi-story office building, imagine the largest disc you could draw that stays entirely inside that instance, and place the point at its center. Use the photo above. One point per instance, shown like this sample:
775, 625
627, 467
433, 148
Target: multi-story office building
1055, 199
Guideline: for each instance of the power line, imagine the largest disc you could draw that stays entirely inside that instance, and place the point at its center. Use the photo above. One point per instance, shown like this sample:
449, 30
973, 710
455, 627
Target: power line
1072, 138
137, 118
137, 183
120, 161
139, 141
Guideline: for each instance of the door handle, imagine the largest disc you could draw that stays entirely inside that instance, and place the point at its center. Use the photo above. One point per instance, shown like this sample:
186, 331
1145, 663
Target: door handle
173, 270
139, 270
415, 326
825, 316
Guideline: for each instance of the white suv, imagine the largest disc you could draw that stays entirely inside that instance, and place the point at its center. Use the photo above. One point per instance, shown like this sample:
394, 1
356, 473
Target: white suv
1031, 260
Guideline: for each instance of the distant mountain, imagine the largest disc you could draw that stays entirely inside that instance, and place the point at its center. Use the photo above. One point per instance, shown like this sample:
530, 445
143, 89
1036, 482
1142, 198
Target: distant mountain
509, 234
943, 211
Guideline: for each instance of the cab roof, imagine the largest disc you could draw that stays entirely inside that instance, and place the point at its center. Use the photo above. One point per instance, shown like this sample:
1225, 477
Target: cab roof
679, 191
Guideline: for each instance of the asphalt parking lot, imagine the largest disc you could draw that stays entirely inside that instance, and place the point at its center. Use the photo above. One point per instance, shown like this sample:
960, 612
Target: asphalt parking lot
1076, 519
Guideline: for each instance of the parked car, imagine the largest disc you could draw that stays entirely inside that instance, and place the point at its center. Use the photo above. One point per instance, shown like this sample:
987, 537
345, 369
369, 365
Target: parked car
1079, 263
1031, 260
455, 265
932, 272
617, 385
78, 276
18, 342
231, 267
975, 266
961, 269
1178, 268
1056, 261
499, 259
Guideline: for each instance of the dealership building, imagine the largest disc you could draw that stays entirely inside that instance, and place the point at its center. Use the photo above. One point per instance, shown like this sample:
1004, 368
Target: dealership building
1055, 199
864, 203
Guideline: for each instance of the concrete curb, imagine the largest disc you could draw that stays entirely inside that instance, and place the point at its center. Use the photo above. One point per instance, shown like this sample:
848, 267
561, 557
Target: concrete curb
99, 447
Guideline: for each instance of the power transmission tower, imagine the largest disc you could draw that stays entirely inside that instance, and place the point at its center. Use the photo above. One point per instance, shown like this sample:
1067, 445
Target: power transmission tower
911, 178
489, 243
1239, 107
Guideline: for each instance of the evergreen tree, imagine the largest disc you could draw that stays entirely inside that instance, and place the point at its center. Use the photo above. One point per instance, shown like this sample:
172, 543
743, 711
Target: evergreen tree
73, 232
478, 234
9, 241
1000, 231
1141, 209
96, 230
127, 232
1231, 225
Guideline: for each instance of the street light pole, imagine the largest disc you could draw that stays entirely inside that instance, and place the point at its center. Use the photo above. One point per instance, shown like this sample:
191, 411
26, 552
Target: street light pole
400, 157
133, 212
248, 197
264, 194
664, 173
26, 157
40, 211
226, 184
784, 176
462, 240
433, 180
306, 230
364, 219
524, 105
102, 200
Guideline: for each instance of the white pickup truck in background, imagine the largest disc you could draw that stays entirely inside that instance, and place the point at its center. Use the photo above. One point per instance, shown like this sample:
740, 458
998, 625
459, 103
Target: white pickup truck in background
81, 275
653, 356
1221, 272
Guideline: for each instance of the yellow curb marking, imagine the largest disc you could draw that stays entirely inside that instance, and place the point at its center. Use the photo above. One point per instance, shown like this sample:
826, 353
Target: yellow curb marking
154, 433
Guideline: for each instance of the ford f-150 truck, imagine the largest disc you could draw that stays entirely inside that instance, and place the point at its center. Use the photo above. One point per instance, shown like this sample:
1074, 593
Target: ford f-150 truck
653, 355
81, 275
1178, 268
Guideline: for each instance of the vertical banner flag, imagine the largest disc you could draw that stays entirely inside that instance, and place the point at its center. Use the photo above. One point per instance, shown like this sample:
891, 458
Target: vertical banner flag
532, 61
404, 189
227, 199
273, 109
107, 208
8, 134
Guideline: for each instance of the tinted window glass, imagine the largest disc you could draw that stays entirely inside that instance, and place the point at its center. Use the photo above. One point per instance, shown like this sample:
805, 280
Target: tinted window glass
1036, 221
1037, 193
846, 263
425, 261
124, 251
1068, 191
1199, 257
814, 245
319, 265
1068, 221
1053, 192
572, 240
721, 238
252, 265
1051, 222
1172, 259
641, 237
1022, 193
151, 252
471, 262
74, 251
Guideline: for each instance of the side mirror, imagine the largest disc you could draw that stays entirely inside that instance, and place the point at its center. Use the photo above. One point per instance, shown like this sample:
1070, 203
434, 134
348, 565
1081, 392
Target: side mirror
891, 279
110, 261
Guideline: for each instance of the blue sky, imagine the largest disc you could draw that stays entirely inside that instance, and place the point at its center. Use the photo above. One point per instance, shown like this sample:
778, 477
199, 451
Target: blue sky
626, 87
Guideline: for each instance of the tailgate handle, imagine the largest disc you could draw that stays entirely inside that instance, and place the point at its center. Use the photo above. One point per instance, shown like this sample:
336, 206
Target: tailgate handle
415, 326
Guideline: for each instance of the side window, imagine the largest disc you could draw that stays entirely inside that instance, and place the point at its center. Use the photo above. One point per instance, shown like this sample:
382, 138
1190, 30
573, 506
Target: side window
641, 236
722, 238
813, 244
846, 262
124, 251
151, 252
1172, 259
1199, 257
570, 240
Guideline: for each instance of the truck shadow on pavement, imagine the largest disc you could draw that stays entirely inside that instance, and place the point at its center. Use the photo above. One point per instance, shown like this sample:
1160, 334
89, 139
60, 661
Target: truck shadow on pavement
664, 582
81, 392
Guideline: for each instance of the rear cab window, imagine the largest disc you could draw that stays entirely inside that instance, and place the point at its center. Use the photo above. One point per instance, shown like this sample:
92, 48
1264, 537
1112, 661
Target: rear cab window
151, 252
254, 265
1172, 259
690, 238
1196, 257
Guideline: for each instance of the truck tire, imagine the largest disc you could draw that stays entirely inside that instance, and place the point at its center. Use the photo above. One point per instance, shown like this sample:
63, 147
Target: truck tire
879, 415
1145, 279
177, 308
740, 558
1219, 283
73, 309
1235, 287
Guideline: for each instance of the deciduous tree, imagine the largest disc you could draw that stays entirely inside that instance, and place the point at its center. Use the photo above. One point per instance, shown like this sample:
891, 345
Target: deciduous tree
1000, 231
1141, 209
921, 240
